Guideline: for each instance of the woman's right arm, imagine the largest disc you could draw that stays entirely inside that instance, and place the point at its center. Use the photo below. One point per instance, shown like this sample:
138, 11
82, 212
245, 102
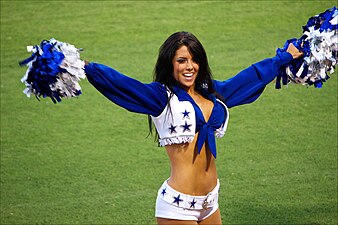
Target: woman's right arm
127, 92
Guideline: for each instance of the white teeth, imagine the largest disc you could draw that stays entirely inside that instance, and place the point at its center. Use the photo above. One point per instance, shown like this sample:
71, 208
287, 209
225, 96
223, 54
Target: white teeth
188, 74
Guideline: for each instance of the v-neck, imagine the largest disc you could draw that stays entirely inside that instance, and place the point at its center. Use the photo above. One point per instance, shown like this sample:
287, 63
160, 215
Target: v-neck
199, 108
207, 130
207, 96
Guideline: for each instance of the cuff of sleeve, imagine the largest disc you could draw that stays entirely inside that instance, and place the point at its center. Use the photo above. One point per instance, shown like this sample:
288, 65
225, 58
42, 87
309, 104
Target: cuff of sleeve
283, 58
88, 68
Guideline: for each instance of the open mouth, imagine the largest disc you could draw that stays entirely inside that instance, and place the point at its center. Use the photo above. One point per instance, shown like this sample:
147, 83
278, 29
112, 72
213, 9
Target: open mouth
188, 74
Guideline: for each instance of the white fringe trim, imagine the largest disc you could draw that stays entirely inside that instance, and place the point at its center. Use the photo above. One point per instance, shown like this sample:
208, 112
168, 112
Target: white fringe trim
219, 133
176, 140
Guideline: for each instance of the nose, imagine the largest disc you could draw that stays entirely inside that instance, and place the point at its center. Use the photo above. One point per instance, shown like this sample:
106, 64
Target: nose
189, 65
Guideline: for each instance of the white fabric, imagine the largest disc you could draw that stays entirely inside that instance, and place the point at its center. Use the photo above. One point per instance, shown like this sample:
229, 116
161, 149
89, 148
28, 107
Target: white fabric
167, 208
174, 116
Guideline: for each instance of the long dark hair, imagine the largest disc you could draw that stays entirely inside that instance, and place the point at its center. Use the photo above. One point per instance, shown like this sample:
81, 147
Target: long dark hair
163, 71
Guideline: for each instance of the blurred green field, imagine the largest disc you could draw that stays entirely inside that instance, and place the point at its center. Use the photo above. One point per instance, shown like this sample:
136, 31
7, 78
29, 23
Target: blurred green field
87, 161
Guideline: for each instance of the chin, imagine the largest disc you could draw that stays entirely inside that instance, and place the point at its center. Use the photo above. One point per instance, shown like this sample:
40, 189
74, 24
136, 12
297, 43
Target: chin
187, 86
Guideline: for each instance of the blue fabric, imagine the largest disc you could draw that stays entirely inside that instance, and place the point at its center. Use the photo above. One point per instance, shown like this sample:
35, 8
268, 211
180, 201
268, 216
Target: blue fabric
249, 84
204, 128
126, 92
152, 98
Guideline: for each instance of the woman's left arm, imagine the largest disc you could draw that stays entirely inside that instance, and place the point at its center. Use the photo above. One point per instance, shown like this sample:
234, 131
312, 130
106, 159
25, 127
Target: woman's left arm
249, 84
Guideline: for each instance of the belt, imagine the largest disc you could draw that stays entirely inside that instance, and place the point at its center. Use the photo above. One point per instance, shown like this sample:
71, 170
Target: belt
185, 201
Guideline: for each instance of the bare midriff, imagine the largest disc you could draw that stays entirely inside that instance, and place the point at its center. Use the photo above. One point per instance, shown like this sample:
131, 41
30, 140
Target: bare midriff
191, 173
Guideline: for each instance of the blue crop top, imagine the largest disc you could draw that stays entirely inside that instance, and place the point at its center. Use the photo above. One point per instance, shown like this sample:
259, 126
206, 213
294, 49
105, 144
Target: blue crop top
187, 118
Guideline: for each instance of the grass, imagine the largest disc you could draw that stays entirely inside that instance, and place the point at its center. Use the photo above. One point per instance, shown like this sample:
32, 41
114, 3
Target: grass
87, 161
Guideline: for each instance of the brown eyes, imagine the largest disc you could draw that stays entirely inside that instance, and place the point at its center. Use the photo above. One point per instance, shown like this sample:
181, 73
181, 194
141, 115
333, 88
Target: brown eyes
181, 61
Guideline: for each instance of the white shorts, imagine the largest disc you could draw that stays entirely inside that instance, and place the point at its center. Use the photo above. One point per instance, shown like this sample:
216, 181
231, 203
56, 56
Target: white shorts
171, 204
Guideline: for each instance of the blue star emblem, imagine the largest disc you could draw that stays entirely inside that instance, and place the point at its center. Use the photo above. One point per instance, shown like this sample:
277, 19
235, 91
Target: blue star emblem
185, 114
186, 127
163, 192
172, 129
178, 200
192, 204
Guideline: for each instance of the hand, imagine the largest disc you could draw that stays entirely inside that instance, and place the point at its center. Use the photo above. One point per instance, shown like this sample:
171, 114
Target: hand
294, 51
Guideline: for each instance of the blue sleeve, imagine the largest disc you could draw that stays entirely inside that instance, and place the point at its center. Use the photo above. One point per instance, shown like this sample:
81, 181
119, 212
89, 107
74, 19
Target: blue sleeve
249, 84
127, 92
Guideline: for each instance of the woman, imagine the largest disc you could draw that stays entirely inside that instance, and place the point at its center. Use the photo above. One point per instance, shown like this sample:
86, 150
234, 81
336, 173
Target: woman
188, 109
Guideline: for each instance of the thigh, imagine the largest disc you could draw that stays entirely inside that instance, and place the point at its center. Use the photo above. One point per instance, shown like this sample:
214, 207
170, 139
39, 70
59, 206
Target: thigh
214, 219
163, 221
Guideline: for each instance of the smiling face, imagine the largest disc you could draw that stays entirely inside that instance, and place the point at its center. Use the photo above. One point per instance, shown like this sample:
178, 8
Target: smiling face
185, 68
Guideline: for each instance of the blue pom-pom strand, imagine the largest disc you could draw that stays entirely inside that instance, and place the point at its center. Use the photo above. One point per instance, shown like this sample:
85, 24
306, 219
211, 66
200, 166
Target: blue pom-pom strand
319, 43
54, 70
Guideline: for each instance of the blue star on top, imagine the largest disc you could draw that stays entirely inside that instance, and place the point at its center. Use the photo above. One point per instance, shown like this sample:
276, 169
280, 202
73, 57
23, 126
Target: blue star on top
163, 192
177, 200
192, 204
186, 127
172, 129
185, 114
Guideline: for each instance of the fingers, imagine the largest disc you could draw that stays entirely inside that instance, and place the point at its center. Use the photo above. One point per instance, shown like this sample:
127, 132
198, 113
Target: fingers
295, 52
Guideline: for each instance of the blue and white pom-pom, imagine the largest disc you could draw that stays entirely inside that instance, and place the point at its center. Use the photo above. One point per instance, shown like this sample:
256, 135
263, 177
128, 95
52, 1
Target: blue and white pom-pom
319, 44
54, 70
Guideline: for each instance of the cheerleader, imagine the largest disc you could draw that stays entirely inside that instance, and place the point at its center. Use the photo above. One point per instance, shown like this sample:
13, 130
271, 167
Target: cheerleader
189, 110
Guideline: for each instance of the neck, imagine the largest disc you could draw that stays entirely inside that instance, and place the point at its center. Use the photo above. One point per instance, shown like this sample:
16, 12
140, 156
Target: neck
189, 90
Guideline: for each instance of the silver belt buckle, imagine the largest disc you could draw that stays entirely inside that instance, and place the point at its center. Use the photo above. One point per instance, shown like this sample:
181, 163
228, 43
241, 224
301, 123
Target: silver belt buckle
205, 202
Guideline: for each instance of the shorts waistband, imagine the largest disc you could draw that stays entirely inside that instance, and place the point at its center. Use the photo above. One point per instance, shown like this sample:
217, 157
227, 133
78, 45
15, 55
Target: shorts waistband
185, 201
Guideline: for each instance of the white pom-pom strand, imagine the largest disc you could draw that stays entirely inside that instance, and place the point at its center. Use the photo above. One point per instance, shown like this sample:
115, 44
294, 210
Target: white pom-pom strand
54, 70
319, 43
